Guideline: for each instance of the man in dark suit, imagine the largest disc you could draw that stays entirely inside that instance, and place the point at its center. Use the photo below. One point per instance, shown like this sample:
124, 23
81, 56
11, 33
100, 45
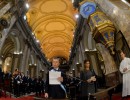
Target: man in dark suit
55, 91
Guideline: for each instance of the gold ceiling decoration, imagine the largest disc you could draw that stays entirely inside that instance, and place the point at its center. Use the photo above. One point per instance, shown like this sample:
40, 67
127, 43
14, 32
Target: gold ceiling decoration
53, 24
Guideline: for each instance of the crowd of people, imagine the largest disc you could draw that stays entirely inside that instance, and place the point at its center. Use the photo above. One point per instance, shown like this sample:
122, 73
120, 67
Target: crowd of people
18, 84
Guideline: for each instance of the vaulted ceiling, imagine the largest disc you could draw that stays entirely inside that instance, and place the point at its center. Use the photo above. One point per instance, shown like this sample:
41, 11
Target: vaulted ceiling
53, 23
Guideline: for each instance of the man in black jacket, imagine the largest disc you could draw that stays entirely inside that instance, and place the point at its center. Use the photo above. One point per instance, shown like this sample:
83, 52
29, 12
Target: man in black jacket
55, 91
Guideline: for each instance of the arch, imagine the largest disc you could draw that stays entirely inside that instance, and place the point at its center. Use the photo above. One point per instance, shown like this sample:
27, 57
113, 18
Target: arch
14, 34
32, 59
14, 39
59, 17
12, 45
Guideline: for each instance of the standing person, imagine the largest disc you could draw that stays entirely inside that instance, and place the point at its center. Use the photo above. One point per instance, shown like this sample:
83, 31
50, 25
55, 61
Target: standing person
29, 82
1, 80
16, 72
125, 70
88, 84
55, 91
38, 86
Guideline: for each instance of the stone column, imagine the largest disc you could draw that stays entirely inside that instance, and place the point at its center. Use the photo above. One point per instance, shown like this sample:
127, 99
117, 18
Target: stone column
26, 61
81, 58
73, 66
94, 63
16, 61
24, 58
34, 71
37, 69
1, 61
42, 74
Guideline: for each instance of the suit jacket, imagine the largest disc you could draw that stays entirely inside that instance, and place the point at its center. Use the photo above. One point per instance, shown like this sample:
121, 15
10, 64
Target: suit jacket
55, 91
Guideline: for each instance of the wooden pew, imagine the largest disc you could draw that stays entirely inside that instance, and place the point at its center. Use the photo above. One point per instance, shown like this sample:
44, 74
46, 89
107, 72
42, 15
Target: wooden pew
35, 98
103, 95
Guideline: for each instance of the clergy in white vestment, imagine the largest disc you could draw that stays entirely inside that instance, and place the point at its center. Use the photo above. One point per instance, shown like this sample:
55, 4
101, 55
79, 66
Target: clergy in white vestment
125, 70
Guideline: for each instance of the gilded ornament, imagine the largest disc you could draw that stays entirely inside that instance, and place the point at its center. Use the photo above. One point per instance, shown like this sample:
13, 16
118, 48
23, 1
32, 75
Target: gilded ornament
102, 30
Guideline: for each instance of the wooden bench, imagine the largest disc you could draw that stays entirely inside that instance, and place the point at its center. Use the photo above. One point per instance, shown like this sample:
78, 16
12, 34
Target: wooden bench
35, 98
102, 95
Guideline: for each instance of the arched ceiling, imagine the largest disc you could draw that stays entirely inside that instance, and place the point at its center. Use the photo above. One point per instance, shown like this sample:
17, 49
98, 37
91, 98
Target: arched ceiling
53, 23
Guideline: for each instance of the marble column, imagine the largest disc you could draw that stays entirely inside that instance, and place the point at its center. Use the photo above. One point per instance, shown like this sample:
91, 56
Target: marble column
26, 62
16, 62
24, 58
32, 70
1, 61
109, 62
81, 53
37, 69
94, 62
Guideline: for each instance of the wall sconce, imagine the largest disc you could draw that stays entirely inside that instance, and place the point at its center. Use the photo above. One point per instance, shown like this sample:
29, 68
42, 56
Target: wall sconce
30, 64
27, 5
77, 63
86, 49
7, 64
73, 69
25, 17
18, 53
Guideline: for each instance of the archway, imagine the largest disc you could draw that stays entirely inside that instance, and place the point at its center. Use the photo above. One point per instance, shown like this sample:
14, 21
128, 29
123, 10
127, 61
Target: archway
11, 47
7, 64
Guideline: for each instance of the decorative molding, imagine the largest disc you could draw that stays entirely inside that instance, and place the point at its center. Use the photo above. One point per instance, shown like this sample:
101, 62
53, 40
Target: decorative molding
61, 25
53, 5
53, 17
56, 34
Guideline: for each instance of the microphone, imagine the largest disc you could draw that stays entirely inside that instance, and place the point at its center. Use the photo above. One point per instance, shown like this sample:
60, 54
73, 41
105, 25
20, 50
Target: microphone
50, 68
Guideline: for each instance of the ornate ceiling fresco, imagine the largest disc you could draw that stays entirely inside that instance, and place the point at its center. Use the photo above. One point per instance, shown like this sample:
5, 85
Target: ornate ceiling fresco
53, 23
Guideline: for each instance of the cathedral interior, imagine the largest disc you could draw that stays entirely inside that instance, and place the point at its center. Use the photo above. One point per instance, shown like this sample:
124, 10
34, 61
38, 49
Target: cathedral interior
32, 32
